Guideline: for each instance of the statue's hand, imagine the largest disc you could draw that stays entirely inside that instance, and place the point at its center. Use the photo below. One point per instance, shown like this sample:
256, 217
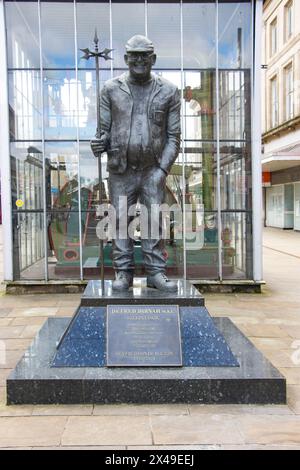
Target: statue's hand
99, 146
159, 175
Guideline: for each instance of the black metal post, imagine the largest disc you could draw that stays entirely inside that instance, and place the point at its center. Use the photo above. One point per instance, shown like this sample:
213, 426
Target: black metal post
98, 133
97, 55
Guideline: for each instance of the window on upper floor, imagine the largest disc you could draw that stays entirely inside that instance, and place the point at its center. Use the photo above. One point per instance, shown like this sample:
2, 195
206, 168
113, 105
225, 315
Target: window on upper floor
273, 37
288, 20
289, 92
274, 102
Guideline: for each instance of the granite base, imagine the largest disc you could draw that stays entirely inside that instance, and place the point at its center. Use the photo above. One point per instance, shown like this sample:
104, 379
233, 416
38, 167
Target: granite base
140, 294
84, 342
34, 381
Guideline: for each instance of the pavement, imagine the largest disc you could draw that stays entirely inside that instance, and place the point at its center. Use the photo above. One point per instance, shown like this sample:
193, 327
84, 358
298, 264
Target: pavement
271, 320
1, 259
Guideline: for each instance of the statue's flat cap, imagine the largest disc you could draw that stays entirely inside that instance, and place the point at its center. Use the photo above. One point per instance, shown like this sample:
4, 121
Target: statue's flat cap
139, 43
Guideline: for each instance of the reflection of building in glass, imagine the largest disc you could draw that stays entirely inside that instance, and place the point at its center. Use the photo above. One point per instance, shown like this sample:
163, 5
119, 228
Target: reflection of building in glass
52, 117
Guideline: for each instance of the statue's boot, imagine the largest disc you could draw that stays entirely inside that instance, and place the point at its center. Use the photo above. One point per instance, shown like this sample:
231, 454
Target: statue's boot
161, 282
123, 281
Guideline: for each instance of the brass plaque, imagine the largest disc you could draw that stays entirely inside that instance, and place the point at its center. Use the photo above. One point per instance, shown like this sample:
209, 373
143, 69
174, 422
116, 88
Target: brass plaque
143, 335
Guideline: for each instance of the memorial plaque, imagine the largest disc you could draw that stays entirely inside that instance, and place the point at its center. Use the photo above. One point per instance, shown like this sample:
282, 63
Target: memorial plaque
143, 335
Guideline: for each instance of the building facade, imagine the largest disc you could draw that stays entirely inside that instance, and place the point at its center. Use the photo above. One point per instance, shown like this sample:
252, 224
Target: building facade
281, 113
50, 188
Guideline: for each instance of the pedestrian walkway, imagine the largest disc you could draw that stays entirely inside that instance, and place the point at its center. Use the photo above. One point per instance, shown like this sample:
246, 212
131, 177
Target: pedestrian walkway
271, 321
283, 241
1, 259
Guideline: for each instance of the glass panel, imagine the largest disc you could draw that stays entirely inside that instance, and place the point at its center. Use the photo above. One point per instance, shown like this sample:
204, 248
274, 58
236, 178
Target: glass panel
90, 16
89, 176
174, 196
64, 245
62, 175
68, 104
235, 40
199, 44
22, 34
87, 100
27, 218
236, 247
235, 105
236, 198
60, 104
62, 203
89, 220
199, 108
199, 105
58, 34
89, 201
128, 19
200, 183
235, 55
28, 245
174, 242
25, 107
27, 174
164, 31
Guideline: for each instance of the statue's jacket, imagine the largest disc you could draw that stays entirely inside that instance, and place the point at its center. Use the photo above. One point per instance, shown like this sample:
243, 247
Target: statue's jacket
116, 105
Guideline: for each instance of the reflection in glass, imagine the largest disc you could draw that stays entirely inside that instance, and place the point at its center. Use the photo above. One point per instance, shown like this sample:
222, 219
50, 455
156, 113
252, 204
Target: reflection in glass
22, 29
164, 31
89, 201
199, 105
235, 105
173, 76
64, 245
27, 187
199, 44
128, 19
58, 39
61, 160
236, 246
235, 41
235, 162
201, 199
236, 205
174, 197
88, 17
28, 243
87, 99
202, 261
89, 176
27, 174
235, 124
69, 112
60, 104
25, 107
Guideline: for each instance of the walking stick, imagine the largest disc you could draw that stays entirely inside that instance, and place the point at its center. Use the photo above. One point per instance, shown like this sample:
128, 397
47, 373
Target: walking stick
105, 55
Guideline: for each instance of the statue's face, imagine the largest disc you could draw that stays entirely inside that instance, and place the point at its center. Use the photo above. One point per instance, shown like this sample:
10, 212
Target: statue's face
140, 64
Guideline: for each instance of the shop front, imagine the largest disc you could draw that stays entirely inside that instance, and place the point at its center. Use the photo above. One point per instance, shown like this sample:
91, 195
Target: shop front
50, 186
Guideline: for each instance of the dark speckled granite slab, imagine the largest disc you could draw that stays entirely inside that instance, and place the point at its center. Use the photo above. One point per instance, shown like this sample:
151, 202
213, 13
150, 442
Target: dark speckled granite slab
84, 343
35, 381
186, 295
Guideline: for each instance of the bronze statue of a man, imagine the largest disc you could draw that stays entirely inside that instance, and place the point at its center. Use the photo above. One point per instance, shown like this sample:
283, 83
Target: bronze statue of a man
140, 131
